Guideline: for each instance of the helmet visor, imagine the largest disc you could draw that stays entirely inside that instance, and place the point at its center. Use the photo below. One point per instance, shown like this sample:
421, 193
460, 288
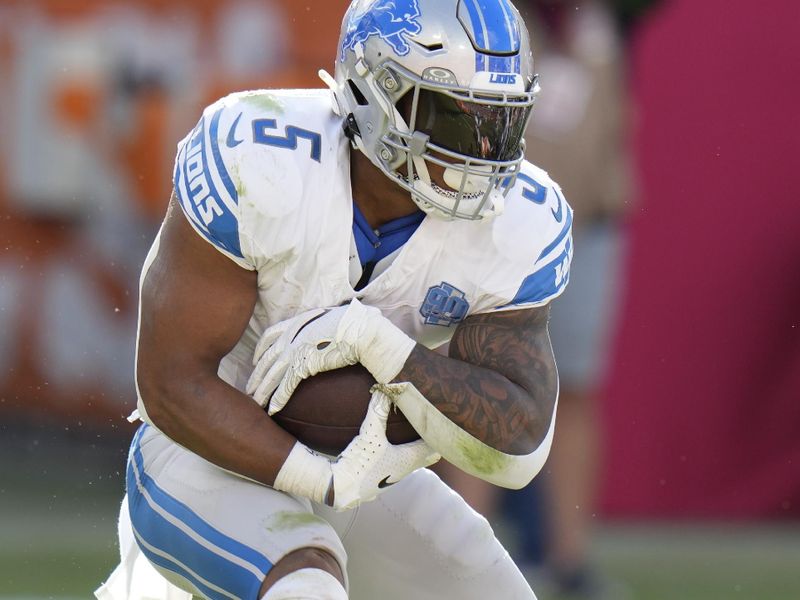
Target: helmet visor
490, 132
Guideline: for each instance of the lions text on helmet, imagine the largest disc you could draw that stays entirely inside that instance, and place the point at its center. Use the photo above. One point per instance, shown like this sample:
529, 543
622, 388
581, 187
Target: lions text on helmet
433, 86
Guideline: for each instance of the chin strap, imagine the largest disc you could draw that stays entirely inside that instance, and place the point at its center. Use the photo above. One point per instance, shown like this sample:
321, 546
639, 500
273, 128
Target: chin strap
427, 190
351, 129
350, 126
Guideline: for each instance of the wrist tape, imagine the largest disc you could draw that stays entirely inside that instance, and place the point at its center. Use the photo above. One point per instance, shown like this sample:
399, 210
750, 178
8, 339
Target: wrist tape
305, 473
383, 348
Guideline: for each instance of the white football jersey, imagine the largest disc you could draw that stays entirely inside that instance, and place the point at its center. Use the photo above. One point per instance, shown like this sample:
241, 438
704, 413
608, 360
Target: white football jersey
265, 178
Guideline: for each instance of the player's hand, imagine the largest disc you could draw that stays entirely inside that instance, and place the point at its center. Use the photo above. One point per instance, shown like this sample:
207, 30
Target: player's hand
363, 470
370, 463
322, 340
271, 358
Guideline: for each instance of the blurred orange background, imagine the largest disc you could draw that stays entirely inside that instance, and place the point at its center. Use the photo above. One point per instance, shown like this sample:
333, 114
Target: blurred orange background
702, 406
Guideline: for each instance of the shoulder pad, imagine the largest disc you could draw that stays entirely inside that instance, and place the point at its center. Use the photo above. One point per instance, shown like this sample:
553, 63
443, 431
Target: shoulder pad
248, 158
550, 216
203, 183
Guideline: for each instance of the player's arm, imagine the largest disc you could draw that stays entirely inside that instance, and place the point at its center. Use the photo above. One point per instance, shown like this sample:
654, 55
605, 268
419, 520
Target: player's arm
499, 381
195, 305
489, 406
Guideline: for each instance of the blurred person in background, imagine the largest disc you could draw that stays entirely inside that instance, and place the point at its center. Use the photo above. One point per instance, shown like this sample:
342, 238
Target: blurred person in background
578, 134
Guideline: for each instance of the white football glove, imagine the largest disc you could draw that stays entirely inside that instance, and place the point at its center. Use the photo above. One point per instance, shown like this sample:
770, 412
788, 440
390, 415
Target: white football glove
323, 340
363, 470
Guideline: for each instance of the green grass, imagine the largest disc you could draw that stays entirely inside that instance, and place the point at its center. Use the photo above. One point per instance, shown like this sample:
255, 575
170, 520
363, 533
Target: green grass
35, 567
55, 573
654, 562
58, 508
695, 562
55, 550
58, 514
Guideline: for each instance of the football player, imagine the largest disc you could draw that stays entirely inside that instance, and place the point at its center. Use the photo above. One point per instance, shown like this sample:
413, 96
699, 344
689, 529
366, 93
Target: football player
371, 222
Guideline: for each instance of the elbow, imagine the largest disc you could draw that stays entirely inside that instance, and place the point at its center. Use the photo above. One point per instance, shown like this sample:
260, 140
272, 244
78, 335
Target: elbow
157, 400
534, 446
147, 401
539, 417
521, 469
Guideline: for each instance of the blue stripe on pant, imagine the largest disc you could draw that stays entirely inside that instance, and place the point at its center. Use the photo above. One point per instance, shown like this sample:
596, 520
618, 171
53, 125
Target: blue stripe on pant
174, 537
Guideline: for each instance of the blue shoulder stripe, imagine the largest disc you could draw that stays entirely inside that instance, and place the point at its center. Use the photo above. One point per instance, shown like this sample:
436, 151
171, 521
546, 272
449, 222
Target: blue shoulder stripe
547, 281
221, 169
560, 237
210, 208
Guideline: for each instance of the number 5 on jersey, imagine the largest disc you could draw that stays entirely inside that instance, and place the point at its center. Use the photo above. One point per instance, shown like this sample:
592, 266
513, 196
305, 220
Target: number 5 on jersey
290, 140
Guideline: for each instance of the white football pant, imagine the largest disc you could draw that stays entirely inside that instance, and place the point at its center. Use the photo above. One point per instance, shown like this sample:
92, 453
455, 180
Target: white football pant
187, 527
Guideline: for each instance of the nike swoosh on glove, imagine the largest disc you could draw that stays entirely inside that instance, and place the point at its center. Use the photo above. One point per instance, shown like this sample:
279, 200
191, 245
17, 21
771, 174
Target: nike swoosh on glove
368, 465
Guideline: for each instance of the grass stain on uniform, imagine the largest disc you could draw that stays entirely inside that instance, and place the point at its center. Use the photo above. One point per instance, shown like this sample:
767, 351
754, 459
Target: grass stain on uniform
236, 177
483, 459
264, 101
286, 520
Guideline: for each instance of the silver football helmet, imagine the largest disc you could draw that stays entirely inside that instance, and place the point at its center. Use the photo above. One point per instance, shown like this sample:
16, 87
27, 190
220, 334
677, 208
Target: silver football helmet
438, 89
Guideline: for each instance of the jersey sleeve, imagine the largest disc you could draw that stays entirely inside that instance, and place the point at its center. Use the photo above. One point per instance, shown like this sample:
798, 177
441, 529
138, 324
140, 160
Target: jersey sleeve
205, 189
549, 271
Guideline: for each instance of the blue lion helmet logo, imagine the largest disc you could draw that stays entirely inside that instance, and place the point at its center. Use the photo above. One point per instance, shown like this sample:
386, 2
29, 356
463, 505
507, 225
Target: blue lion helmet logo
391, 20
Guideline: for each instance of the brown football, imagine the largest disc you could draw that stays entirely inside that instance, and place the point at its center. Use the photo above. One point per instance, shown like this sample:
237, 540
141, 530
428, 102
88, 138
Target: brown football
326, 411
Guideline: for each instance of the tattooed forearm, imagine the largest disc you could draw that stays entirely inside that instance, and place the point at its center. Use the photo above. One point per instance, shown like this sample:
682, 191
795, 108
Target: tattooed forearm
500, 381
